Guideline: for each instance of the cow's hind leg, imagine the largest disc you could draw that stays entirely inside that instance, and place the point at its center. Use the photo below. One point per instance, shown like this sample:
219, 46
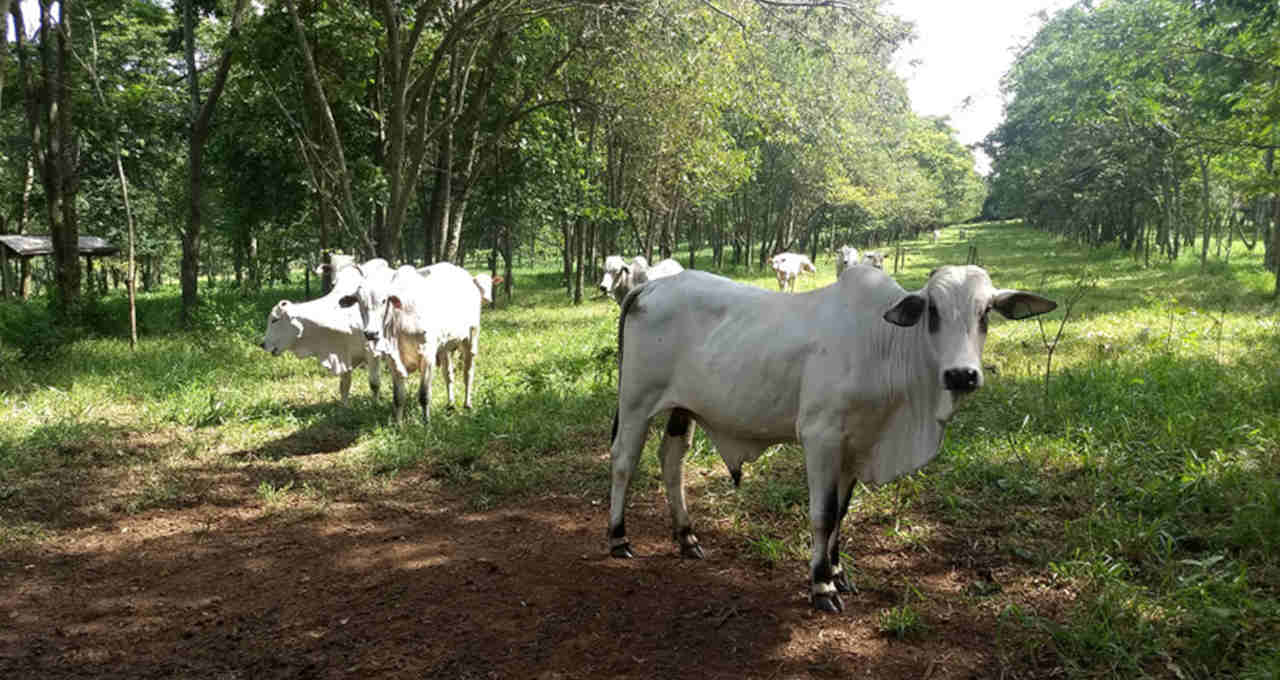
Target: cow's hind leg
469, 353
822, 463
675, 444
628, 442
424, 387
445, 362
344, 387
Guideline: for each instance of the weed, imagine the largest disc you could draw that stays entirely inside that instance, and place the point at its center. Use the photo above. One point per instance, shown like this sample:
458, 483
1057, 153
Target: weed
900, 622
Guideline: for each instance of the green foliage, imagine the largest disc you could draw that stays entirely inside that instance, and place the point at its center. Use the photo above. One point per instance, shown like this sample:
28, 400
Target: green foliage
1142, 123
900, 622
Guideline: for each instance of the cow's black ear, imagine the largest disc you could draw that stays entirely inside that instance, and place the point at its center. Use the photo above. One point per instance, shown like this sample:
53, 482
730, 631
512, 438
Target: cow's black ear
1016, 304
907, 312
347, 300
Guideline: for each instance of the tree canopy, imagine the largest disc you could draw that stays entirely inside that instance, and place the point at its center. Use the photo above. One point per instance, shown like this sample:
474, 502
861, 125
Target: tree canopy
432, 130
1150, 124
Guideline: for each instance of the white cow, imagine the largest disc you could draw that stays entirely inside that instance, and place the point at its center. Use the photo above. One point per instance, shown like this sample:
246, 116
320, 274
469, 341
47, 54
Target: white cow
323, 329
873, 258
620, 278
937, 234
789, 267
846, 257
862, 373
426, 318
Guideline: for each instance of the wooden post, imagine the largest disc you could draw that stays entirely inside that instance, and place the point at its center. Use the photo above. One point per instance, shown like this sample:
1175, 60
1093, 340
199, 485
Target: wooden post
24, 288
4, 273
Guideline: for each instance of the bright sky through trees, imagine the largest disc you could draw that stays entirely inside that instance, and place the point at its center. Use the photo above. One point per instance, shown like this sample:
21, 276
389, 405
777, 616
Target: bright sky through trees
960, 52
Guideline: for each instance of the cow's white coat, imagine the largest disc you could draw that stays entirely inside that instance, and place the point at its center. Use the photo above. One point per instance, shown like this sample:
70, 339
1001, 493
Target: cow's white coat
427, 318
846, 257
323, 329
788, 267
620, 277
845, 370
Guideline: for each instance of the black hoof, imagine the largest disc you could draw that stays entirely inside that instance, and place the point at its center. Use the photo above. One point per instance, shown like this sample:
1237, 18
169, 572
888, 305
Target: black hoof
693, 551
622, 551
828, 603
843, 584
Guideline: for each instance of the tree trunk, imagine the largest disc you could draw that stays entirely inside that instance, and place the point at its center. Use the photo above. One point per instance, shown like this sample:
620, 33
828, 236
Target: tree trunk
201, 117
60, 150
1204, 216
580, 248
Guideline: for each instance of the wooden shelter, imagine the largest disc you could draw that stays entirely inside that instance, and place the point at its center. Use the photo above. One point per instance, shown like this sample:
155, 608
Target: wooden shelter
23, 247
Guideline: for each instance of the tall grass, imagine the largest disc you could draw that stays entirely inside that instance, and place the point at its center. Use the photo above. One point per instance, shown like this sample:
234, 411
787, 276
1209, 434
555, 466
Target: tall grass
1143, 480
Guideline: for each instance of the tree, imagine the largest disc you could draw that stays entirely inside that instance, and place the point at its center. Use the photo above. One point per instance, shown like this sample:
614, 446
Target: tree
201, 116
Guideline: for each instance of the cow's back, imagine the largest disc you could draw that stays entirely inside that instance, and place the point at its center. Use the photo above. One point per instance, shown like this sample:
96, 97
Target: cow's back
721, 349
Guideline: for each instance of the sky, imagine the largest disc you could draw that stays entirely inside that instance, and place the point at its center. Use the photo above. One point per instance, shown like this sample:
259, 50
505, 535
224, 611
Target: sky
963, 47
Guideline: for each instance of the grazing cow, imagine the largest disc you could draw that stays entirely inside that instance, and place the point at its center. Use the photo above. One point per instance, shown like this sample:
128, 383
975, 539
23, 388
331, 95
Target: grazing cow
789, 267
846, 257
873, 258
323, 329
426, 318
620, 278
862, 373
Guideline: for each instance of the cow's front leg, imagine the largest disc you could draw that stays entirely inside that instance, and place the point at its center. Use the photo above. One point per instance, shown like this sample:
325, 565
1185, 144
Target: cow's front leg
675, 443
839, 575
822, 464
344, 387
375, 377
397, 396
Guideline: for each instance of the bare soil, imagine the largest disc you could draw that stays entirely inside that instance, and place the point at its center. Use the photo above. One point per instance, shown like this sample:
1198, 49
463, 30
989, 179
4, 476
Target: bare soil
411, 584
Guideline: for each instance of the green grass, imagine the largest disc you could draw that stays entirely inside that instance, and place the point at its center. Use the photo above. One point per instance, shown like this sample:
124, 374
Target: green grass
1140, 486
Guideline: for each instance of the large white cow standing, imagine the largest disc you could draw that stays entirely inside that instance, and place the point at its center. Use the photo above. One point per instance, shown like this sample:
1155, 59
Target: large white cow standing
427, 314
620, 278
862, 373
323, 329
789, 267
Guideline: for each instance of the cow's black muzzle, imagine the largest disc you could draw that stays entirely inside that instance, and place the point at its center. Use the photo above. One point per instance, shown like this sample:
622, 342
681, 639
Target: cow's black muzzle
962, 380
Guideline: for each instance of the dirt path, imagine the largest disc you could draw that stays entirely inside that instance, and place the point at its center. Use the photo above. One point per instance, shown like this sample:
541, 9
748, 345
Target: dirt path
422, 589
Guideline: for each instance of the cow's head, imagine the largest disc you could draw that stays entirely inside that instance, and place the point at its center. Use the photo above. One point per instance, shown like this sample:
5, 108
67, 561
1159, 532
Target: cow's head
616, 272
874, 259
486, 283
365, 289
954, 304
283, 331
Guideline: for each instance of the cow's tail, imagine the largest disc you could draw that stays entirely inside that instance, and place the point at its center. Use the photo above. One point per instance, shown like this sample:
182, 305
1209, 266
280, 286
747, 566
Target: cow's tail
627, 304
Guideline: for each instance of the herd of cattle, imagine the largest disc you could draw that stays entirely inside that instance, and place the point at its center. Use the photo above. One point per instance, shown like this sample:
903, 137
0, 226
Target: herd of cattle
862, 373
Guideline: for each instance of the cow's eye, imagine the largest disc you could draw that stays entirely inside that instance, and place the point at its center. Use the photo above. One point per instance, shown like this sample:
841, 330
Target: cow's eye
935, 322
982, 321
